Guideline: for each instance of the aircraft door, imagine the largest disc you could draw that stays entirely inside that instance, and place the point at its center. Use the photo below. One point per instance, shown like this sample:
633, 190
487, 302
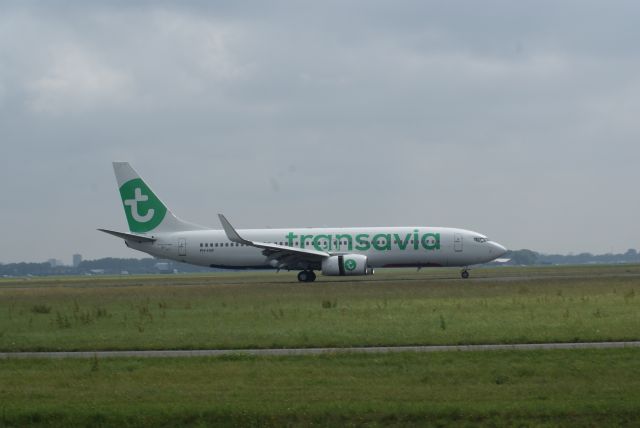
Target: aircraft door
182, 247
457, 242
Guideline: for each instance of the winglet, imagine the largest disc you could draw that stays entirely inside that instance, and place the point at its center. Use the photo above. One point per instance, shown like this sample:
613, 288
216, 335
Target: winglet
231, 232
233, 236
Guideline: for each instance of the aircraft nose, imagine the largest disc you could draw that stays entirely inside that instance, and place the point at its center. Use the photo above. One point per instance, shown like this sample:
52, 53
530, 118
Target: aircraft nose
498, 249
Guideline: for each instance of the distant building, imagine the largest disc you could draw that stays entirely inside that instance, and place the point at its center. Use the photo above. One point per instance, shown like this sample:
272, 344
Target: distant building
77, 259
163, 267
55, 262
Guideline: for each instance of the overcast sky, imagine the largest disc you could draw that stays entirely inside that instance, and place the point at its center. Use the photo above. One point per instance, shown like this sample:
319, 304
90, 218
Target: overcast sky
519, 120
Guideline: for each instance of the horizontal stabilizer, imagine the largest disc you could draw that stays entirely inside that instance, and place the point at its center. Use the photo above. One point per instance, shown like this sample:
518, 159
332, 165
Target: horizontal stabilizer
128, 236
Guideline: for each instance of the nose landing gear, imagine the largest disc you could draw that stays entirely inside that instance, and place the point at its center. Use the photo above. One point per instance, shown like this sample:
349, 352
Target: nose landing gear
306, 276
465, 273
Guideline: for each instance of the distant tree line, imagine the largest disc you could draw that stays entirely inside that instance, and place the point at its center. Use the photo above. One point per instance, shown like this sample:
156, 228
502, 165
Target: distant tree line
528, 257
106, 266
116, 266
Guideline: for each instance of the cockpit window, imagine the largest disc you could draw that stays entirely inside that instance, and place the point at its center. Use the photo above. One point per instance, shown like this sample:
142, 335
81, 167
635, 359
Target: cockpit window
479, 239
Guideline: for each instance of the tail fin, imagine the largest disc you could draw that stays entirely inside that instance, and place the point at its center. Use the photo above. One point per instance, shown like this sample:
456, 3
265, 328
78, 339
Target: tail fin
144, 210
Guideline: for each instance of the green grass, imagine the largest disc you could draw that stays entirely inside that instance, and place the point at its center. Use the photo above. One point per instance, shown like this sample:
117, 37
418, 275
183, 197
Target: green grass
263, 310
507, 388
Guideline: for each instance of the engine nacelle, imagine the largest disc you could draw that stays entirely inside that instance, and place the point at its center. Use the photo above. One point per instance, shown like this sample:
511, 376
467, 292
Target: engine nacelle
348, 264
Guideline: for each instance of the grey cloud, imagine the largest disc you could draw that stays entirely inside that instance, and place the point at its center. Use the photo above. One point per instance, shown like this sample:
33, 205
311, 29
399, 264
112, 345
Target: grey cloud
515, 119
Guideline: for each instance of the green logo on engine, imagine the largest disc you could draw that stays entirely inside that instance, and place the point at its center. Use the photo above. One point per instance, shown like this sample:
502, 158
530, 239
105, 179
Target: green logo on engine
143, 209
350, 264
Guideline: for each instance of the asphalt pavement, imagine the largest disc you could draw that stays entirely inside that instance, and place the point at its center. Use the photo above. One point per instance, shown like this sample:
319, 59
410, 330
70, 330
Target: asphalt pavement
317, 351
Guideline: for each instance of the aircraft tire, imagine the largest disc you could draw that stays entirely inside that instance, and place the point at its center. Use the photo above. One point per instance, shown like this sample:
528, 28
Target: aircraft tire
306, 276
464, 274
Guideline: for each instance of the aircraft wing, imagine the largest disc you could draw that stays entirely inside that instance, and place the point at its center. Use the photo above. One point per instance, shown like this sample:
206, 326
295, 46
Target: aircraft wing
284, 255
128, 236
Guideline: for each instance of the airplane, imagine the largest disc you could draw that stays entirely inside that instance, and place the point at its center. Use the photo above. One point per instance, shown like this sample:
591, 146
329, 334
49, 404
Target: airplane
349, 251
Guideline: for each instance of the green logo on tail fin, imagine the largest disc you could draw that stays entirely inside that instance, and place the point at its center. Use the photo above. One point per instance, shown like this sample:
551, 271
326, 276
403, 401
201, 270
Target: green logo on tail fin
143, 209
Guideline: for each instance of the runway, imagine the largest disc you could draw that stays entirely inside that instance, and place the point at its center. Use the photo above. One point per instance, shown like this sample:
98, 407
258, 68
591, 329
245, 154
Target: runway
317, 351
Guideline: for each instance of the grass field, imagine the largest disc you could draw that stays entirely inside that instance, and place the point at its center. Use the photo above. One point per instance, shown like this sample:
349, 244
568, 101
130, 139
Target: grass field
263, 310
507, 388
514, 388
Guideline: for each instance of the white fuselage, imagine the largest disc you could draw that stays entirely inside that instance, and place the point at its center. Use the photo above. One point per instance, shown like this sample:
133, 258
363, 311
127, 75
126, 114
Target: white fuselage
383, 246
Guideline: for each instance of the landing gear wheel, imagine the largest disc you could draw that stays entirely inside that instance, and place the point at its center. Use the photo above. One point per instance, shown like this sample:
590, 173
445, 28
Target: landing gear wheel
306, 276
464, 274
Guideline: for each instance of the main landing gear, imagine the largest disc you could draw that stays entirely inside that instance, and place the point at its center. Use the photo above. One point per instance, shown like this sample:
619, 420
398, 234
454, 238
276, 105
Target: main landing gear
465, 273
306, 276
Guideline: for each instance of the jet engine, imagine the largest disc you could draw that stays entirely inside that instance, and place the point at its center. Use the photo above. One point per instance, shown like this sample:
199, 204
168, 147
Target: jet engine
347, 264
